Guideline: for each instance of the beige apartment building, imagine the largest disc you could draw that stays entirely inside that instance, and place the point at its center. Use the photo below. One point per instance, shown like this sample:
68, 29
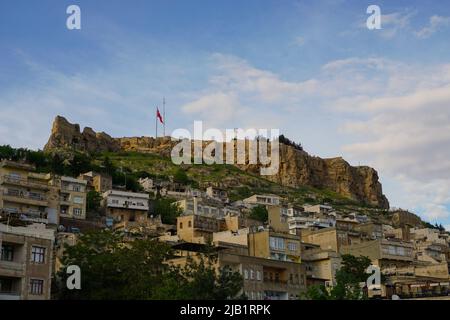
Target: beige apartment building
25, 262
129, 210
327, 239
383, 252
99, 182
198, 228
321, 265
264, 279
274, 245
72, 197
27, 194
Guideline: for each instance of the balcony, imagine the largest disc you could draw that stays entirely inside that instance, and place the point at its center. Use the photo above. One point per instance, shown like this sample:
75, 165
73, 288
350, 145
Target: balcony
31, 215
9, 296
12, 269
24, 197
7, 179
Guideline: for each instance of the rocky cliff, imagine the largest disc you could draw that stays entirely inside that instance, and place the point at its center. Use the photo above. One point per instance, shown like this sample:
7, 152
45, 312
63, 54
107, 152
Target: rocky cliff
297, 167
67, 135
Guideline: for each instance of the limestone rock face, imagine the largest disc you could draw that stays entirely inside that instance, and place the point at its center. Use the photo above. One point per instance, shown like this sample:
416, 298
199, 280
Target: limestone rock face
67, 135
297, 167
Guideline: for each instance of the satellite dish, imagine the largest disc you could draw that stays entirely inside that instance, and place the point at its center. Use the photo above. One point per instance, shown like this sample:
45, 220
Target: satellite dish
395, 297
61, 228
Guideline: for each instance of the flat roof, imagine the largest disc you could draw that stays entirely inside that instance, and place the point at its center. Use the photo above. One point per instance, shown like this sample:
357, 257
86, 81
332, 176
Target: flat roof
126, 194
74, 180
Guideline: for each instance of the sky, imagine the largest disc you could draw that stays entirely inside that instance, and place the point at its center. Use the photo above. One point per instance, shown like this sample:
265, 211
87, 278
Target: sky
309, 68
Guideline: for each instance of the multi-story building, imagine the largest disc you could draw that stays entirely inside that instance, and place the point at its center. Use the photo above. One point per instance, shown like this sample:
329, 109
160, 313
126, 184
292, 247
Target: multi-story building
263, 200
370, 230
99, 182
72, 197
273, 245
292, 210
27, 194
321, 265
25, 262
199, 206
217, 193
299, 223
327, 238
383, 252
129, 210
198, 228
318, 208
264, 279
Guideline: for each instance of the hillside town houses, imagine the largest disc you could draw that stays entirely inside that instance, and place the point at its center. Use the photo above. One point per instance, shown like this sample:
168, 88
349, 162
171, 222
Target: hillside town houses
298, 246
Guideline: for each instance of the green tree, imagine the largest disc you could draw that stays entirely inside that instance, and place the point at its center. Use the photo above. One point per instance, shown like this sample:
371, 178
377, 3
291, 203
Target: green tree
138, 270
259, 213
111, 270
132, 183
107, 166
348, 279
199, 279
167, 209
180, 176
93, 199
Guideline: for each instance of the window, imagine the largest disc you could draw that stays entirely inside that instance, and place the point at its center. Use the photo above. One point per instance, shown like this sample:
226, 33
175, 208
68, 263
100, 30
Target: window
76, 188
277, 243
245, 274
252, 274
115, 201
292, 246
181, 225
14, 176
6, 285
391, 250
77, 211
190, 224
7, 253
36, 286
258, 275
35, 195
78, 200
37, 254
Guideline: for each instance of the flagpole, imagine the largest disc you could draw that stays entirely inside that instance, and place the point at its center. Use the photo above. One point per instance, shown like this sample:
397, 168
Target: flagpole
164, 116
156, 122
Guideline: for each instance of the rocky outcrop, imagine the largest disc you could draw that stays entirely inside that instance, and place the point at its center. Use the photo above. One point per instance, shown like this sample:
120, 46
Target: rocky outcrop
297, 167
359, 183
67, 135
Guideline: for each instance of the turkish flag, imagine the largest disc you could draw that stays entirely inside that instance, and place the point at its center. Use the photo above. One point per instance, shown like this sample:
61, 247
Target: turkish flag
158, 115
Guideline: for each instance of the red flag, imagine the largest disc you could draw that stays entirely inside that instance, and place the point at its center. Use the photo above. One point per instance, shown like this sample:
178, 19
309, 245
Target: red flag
158, 115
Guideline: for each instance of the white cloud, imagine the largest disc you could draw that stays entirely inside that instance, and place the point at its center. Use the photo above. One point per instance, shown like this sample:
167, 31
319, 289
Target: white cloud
395, 117
436, 22
403, 130
392, 23
215, 107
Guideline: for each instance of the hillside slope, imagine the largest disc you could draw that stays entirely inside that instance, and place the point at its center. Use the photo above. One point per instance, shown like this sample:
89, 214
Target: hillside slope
297, 168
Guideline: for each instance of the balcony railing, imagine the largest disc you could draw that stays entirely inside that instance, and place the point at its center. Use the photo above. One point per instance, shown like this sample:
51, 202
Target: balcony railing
274, 281
24, 182
33, 216
17, 194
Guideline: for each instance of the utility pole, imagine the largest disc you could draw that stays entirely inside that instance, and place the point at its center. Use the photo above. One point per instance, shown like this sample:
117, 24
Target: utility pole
164, 116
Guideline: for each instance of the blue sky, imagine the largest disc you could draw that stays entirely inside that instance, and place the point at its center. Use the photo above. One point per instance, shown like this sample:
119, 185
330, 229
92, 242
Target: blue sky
310, 68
